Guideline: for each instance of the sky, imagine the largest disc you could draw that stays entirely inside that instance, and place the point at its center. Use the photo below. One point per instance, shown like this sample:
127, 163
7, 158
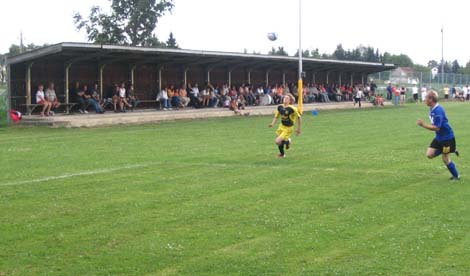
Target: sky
400, 26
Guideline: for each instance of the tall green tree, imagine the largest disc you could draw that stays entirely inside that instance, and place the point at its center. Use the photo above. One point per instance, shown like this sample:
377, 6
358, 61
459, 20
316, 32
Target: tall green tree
432, 64
17, 49
279, 52
130, 22
305, 54
171, 43
315, 53
339, 53
455, 66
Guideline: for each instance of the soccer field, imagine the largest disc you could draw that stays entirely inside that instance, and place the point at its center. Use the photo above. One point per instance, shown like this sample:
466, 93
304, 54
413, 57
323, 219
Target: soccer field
355, 196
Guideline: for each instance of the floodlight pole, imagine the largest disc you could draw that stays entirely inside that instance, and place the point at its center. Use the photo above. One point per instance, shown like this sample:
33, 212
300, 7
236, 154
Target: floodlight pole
442, 60
300, 84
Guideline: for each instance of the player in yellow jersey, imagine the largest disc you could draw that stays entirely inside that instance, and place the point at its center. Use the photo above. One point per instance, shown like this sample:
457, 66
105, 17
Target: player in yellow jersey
289, 116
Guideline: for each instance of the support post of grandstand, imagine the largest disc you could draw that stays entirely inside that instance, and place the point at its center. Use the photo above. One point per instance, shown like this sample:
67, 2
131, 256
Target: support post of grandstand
352, 79
340, 80
314, 77
67, 87
283, 77
327, 77
8, 95
208, 76
185, 77
230, 78
28, 82
132, 74
102, 66
249, 77
267, 78
160, 69
362, 79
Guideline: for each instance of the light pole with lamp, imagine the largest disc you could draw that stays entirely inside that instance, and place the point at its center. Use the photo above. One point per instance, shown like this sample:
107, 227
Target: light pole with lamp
442, 60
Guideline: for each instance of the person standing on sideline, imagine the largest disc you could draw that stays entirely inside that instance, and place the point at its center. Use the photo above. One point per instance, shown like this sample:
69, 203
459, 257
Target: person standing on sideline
444, 142
446, 93
464, 93
358, 97
373, 88
389, 91
424, 92
468, 93
402, 95
415, 93
396, 96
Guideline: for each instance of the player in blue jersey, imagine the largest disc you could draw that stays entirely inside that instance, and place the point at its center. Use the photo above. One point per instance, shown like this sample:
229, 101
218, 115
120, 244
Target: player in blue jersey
444, 142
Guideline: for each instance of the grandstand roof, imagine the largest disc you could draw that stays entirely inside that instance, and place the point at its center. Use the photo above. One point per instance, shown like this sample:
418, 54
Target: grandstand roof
83, 52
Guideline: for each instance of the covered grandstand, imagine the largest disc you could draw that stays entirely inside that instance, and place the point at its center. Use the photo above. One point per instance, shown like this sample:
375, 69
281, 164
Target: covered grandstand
150, 69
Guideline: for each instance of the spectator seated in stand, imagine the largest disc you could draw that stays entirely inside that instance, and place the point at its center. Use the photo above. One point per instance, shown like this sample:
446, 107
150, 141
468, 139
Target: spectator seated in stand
184, 99
95, 95
173, 97
51, 97
41, 100
377, 100
88, 96
163, 99
131, 97
337, 93
123, 98
194, 96
324, 95
237, 107
78, 95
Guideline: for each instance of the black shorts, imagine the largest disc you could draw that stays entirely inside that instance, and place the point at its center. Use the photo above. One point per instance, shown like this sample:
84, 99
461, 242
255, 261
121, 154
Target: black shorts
357, 99
446, 96
447, 146
415, 97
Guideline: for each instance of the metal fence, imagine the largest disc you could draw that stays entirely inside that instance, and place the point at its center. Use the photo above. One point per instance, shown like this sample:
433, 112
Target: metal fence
449, 79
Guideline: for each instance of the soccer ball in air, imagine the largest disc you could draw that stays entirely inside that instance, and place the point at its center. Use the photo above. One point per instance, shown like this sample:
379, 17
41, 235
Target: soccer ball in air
272, 36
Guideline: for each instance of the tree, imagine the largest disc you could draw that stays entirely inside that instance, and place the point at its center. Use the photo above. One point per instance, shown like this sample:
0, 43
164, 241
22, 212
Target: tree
130, 22
339, 53
2, 68
455, 66
171, 42
432, 64
279, 52
305, 54
401, 60
16, 49
315, 53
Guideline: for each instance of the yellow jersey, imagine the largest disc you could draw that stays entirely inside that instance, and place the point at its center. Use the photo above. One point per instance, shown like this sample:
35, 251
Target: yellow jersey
289, 115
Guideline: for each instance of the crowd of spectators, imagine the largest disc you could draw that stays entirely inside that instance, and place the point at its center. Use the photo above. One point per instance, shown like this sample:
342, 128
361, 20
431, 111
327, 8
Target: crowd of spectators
121, 97
210, 96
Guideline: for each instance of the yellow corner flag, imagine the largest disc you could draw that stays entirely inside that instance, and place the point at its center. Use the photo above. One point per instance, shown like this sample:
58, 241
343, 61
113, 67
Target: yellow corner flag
301, 97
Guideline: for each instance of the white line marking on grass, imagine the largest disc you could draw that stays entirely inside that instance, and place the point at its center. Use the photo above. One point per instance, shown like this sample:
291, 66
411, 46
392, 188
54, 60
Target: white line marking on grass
70, 175
204, 164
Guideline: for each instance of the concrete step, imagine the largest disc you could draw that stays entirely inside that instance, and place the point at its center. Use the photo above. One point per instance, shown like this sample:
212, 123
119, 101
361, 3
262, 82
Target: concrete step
151, 116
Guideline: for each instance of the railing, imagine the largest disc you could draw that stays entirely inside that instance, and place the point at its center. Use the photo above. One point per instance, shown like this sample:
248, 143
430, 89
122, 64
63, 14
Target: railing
422, 78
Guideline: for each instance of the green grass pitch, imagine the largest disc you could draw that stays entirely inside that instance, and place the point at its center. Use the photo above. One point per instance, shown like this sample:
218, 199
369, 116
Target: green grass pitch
355, 196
